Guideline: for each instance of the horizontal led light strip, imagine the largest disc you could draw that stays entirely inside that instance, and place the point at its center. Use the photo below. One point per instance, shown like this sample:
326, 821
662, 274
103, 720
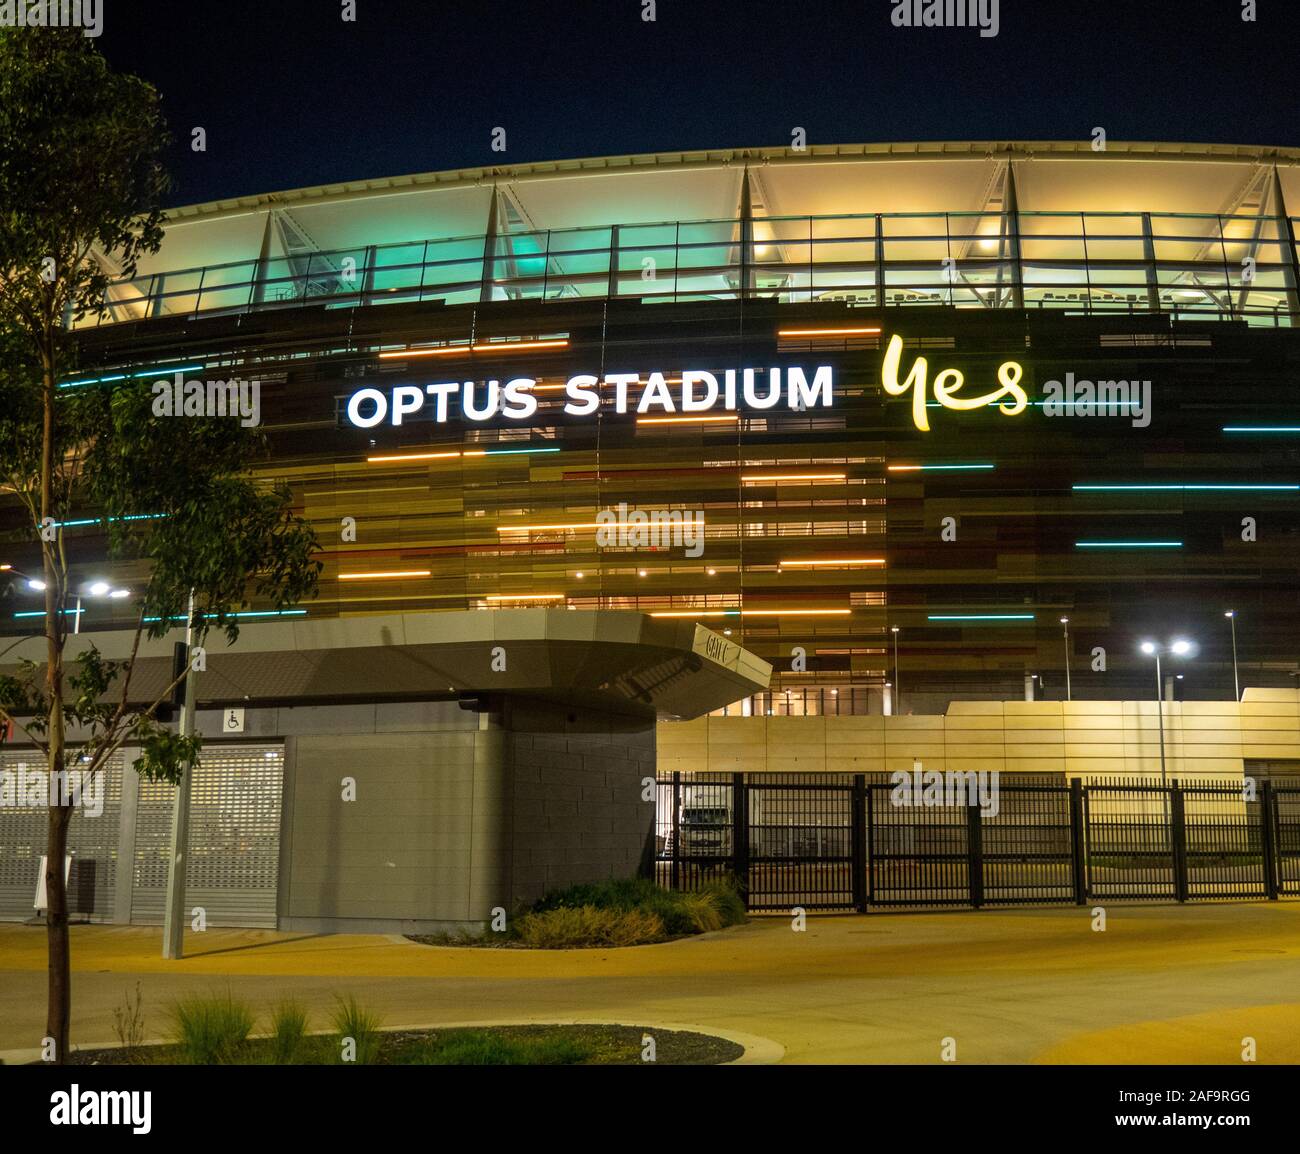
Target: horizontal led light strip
524, 597
685, 523
379, 576
933, 468
41, 612
755, 478
1128, 544
685, 420
839, 562
457, 453
980, 617
253, 613
1261, 428
863, 332
1182, 488
448, 350
165, 370
753, 613
96, 520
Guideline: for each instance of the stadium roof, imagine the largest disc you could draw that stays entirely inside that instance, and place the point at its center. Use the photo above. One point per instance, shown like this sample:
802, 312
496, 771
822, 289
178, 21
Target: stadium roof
553, 221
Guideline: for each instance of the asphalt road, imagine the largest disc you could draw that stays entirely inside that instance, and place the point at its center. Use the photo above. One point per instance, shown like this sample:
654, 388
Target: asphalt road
1162, 983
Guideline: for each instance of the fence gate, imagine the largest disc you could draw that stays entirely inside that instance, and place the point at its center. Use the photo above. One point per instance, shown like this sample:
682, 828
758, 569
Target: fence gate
827, 841
1285, 831
799, 851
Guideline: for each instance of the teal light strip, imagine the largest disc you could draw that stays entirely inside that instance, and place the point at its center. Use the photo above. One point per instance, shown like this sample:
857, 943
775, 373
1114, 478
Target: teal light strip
932, 468
253, 613
96, 520
1183, 488
1128, 544
980, 617
511, 452
1261, 428
41, 612
159, 372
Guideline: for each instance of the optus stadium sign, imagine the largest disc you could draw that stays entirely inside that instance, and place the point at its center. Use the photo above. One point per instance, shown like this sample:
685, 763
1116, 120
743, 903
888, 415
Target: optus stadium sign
698, 391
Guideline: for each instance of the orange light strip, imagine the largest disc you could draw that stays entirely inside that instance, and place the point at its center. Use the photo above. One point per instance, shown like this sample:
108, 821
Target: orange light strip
381, 575
684, 420
827, 332
546, 528
755, 478
684, 523
524, 597
810, 563
497, 347
413, 457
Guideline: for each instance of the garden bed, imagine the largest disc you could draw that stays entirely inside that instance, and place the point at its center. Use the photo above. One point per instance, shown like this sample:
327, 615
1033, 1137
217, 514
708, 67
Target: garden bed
534, 1045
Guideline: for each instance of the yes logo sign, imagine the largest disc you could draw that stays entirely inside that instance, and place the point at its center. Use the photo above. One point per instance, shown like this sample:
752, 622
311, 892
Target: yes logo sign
946, 384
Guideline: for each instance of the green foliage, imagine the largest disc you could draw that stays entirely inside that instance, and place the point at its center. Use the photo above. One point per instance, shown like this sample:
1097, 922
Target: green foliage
351, 1020
710, 908
573, 927
211, 1029
80, 191
487, 1048
288, 1032
79, 167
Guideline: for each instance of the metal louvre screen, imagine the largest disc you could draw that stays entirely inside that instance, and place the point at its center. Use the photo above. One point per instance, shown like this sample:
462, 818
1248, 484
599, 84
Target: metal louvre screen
234, 859
92, 838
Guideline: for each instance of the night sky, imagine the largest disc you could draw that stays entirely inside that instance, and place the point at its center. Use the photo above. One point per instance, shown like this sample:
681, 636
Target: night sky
291, 95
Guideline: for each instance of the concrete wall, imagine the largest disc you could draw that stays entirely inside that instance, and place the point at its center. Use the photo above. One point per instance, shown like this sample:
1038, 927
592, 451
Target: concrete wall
1081, 738
458, 814
576, 797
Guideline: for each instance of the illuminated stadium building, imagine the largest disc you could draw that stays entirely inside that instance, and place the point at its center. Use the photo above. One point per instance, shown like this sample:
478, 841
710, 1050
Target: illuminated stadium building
761, 317
823, 526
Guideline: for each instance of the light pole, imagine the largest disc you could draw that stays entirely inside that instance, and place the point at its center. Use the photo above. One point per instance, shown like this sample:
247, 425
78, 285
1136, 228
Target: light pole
1151, 649
94, 589
1065, 624
174, 911
894, 630
1231, 615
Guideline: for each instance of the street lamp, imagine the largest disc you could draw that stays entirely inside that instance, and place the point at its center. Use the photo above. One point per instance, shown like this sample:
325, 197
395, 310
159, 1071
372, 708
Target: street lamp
894, 630
1231, 615
1177, 648
1065, 623
96, 589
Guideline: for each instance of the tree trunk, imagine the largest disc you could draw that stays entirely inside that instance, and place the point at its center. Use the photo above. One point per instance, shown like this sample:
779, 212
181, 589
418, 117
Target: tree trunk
59, 1011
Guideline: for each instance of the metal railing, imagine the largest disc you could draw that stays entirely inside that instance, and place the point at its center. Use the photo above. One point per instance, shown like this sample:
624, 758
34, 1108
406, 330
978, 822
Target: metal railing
839, 841
1211, 266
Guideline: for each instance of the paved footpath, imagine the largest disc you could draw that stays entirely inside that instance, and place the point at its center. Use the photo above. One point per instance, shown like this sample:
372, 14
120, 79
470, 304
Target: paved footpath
1162, 983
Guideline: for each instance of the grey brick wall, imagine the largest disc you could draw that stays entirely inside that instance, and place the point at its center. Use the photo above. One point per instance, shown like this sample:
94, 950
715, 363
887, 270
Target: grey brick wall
578, 813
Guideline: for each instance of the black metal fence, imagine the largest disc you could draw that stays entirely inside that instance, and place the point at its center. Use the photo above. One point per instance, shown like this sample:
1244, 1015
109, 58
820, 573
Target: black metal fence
838, 842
